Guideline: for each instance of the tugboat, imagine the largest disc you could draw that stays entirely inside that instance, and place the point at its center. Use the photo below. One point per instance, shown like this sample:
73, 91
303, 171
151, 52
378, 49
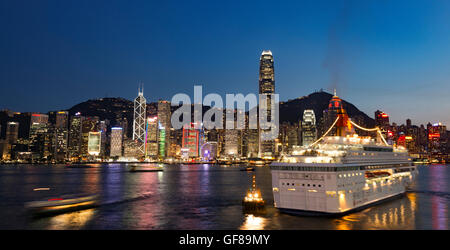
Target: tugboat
253, 201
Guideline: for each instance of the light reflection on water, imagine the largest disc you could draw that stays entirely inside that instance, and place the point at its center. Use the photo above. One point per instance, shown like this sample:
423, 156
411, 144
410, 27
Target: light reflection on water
439, 204
253, 222
72, 221
201, 197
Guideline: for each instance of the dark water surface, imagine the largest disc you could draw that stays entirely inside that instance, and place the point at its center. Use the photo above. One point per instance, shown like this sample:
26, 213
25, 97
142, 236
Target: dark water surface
199, 197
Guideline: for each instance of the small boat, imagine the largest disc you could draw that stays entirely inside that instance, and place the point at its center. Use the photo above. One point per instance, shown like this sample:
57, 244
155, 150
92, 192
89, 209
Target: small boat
257, 162
135, 168
248, 169
253, 201
63, 204
78, 166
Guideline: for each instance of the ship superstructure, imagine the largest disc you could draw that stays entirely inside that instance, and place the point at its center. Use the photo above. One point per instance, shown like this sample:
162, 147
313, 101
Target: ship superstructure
338, 174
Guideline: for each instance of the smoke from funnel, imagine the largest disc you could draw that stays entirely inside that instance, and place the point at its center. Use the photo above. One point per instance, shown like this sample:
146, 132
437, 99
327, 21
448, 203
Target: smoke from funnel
334, 60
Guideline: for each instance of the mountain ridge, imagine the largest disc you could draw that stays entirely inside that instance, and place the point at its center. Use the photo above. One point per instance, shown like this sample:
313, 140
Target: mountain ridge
291, 111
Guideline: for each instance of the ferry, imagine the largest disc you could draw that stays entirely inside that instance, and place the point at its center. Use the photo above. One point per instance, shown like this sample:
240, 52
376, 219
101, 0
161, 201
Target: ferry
248, 169
139, 168
62, 204
257, 162
340, 174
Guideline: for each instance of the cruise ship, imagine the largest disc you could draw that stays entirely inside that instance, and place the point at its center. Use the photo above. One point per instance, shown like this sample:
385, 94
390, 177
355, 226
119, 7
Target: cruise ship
340, 174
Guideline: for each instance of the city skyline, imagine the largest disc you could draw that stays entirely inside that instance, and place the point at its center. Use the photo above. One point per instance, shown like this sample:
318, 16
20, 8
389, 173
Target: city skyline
348, 46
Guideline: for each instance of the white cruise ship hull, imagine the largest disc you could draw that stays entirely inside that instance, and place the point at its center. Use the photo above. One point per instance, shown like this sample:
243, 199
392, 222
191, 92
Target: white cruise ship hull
336, 189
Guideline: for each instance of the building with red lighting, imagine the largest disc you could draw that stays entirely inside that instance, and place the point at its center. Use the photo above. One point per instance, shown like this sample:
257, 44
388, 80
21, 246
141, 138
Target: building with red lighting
437, 139
191, 140
381, 119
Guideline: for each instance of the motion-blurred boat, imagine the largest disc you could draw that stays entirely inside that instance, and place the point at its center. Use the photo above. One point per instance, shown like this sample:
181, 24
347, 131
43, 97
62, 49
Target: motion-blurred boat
247, 169
62, 204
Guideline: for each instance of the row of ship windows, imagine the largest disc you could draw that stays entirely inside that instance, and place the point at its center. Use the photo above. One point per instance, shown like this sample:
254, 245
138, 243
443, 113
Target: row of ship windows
349, 175
336, 169
351, 184
303, 184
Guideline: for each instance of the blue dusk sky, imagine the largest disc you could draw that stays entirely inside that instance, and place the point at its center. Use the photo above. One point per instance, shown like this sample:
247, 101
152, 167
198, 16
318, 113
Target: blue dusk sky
381, 54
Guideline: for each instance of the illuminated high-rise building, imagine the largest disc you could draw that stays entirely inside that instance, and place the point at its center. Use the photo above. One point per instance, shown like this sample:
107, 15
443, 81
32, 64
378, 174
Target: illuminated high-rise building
94, 143
381, 119
116, 142
250, 139
130, 149
437, 138
102, 127
289, 137
75, 136
39, 118
266, 91
162, 141
164, 125
12, 132
309, 130
232, 143
139, 122
190, 141
62, 119
12, 135
152, 137
39, 137
266, 73
90, 124
61, 135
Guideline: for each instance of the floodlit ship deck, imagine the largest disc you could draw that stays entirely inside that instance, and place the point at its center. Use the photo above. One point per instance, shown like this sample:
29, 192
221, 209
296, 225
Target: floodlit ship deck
340, 175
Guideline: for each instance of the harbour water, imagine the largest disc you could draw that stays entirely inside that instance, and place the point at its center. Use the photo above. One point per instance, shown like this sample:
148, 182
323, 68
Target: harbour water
199, 197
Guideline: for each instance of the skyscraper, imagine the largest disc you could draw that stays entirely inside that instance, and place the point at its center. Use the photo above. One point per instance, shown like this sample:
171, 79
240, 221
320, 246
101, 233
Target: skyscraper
251, 139
309, 131
232, 143
90, 124
266, 91
61, 137
139, 122
94, 143
266, 73
190, 141
75, 136
381, 119
12, 132
164, 125
39, 139
116, 141
152, 137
